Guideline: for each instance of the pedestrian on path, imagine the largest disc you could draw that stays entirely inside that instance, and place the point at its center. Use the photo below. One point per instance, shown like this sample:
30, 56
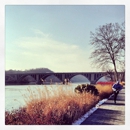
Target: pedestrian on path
116, 88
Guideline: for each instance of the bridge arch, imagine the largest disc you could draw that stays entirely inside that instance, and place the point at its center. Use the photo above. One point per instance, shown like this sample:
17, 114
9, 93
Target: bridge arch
52, 76
25, 75
9, 78
100, 77
79, 77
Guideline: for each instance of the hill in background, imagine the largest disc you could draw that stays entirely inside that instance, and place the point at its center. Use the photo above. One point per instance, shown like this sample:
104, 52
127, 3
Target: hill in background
37, 70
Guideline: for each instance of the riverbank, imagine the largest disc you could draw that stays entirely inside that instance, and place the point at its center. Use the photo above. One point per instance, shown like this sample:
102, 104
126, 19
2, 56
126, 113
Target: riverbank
63, 108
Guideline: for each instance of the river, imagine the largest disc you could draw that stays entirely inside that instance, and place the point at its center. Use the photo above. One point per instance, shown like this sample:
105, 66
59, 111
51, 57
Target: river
14, 94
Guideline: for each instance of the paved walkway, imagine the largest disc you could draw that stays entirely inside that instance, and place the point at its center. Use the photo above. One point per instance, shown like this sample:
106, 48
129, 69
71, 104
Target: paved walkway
109, 113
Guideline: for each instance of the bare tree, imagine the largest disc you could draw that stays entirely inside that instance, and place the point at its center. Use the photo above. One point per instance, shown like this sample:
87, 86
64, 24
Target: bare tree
108, 42
122, 69
110, 75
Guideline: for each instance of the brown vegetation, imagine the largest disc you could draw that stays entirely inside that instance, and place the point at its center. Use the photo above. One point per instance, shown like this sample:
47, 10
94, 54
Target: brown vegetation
60, 107
104, 90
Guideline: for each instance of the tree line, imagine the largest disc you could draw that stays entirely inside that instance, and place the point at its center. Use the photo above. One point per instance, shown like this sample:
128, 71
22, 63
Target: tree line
36, 70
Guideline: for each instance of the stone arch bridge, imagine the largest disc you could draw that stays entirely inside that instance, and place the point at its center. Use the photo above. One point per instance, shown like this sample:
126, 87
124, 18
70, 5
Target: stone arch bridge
93, 77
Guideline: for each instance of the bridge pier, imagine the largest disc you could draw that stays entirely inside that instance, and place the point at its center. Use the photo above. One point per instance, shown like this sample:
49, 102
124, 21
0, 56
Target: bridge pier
92, 82
37, 78
92, 77
63, 77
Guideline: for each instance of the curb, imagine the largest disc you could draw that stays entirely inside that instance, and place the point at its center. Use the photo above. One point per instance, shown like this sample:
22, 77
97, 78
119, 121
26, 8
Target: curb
85, 116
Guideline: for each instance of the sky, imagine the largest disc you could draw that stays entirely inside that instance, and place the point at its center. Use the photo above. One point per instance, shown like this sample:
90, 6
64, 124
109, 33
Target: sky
56, 37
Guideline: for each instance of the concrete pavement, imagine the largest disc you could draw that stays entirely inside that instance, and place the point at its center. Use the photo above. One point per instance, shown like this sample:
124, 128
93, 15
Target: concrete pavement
109, 113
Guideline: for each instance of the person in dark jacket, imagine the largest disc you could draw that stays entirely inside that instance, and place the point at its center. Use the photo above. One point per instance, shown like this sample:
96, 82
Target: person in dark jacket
116, 88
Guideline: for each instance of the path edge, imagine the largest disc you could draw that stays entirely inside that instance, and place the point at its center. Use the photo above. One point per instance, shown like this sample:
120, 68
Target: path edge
92, 110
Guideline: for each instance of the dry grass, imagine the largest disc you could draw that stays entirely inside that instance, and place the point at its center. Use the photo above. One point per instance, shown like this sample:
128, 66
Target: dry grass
61, 106
104, 90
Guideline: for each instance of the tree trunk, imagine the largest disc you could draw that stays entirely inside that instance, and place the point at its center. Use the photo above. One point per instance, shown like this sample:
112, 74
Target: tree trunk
115, 72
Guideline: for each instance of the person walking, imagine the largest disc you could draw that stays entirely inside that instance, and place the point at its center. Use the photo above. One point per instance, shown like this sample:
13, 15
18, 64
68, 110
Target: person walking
116, 88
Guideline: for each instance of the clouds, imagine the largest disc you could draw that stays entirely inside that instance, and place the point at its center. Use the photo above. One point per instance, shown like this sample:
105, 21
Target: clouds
43, 51
55, 37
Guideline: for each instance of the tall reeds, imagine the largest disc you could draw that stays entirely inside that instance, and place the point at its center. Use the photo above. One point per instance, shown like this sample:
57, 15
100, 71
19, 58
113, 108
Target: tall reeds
50, 106
104, 89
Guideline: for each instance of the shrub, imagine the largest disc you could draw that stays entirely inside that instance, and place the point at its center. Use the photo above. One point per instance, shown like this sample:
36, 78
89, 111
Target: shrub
89, 88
